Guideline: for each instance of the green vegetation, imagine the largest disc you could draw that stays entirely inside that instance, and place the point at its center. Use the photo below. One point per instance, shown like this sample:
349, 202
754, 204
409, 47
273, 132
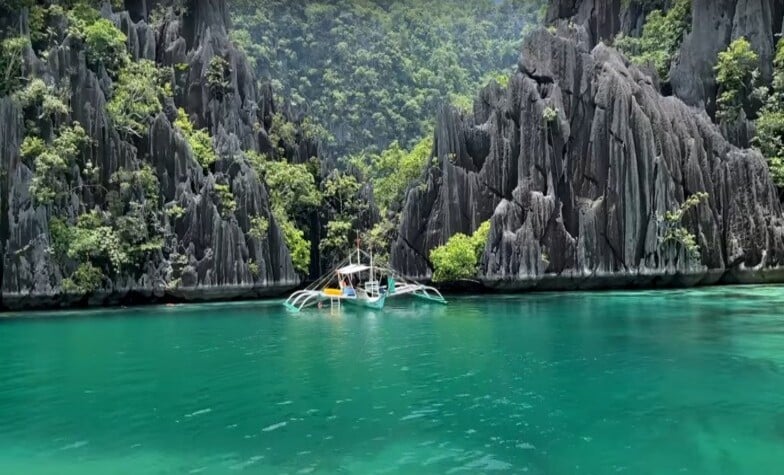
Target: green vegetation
459, 257
218, 73
253, 268
93, 239
103, 243
661, 36
550, 114
42, 100
299, 247
374, 72
52, 163
225, 198
85, 279
258, 227
378, 239
175, 211
105, 45
337, 239
31, 148
134, 212
138, 97
394, 170
11, 63
294, 197
199, 140
674, 231
282, 132
736, 73
346, 212
292, 186
770, 121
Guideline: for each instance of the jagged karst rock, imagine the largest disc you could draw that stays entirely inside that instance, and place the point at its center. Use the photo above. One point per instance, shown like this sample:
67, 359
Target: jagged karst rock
207, 253
602, 19
584, 157
715, 24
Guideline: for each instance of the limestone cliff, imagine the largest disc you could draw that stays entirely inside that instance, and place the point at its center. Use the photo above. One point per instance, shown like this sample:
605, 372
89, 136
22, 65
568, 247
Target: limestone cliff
208, 252
576, 162
714, 25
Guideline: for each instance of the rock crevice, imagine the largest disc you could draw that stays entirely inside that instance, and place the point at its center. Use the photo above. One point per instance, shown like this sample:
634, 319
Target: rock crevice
208, 252
597, 156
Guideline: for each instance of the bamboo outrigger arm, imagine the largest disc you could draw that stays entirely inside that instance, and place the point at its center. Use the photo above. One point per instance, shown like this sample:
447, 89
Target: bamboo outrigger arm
371, 295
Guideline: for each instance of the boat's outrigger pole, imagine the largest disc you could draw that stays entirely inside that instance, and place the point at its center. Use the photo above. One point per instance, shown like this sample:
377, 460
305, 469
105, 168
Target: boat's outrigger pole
338, 285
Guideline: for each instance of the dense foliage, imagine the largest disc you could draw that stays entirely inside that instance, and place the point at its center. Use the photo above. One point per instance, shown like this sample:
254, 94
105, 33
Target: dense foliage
347, 212
770, 122
105, 45
394, 170
199, 140
294, 196
11, 63
661, 36
375, 72
102, 226
736, 73
138, 96
53, 164
458, 258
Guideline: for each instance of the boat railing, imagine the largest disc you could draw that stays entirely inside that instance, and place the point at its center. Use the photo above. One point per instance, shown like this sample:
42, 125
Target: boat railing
372, 287
398, 284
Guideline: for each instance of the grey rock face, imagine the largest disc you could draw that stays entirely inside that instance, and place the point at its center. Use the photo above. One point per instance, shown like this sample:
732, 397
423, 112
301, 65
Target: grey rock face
208, 253
715, 24
602, 19
575, 201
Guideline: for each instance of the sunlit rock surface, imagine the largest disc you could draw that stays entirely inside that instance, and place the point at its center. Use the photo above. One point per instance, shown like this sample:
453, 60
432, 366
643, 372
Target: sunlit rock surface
576, 200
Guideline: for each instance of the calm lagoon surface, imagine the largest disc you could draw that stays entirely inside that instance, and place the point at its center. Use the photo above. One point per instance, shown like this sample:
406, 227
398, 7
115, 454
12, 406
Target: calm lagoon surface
664, 382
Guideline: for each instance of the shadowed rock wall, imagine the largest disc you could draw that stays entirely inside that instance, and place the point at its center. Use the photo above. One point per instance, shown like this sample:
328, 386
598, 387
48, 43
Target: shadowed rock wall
207, 253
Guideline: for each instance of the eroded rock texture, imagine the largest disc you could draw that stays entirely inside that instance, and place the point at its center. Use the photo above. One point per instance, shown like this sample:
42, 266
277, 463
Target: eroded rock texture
208, 252
575, 162
714, 25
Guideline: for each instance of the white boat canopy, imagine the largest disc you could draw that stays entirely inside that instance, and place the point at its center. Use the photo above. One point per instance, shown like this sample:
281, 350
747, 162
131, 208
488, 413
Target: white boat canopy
352, 269
372, 293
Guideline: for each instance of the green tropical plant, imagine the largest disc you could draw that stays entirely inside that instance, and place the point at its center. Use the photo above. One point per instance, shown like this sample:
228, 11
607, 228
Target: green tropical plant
226, 199
85, 279
105, 45
769, 138
258, 227
11, 61
674, 231
137, 99
51, 164
199, 140
736, 74
218, 74
458, 258
661, 37
298, 246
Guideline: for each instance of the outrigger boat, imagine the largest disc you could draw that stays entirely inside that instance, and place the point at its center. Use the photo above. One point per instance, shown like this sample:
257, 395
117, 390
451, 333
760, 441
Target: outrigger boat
363, 284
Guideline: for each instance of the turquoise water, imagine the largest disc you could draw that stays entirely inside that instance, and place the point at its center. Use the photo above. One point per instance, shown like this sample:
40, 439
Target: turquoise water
642, 383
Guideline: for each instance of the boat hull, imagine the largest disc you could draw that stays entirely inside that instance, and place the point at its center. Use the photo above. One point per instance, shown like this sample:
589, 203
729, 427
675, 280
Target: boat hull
376, 303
